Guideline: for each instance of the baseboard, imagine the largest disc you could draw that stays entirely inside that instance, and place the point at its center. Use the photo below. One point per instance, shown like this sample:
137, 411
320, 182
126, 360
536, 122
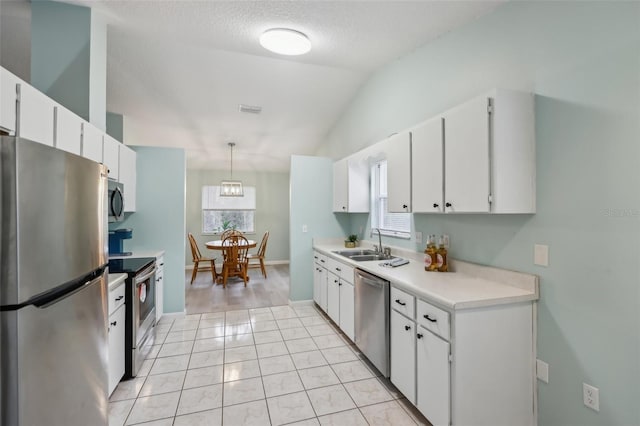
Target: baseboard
267, 263
301, 302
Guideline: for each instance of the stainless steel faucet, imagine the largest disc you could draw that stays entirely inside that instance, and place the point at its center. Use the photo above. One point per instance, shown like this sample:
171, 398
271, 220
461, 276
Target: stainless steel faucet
379, 250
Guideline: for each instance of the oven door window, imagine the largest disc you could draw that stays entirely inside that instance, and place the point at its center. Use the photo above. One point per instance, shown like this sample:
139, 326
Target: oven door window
145, 294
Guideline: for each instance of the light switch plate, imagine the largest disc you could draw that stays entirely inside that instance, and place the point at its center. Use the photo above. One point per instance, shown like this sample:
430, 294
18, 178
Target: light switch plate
304, 228
419, 237
541, 255
542, 371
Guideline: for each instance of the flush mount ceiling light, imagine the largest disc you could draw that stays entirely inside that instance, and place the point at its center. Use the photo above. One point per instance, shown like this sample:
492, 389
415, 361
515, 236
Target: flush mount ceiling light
285, 41
231, 188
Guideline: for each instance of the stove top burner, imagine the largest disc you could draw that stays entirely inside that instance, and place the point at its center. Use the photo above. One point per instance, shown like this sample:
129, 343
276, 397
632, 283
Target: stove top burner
130, 265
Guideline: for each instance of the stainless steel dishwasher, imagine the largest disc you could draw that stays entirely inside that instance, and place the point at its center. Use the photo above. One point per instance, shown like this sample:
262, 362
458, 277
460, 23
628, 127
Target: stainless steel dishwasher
372, 319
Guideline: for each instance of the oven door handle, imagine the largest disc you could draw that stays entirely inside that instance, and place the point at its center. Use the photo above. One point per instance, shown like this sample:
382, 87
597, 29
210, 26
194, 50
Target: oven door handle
145, 276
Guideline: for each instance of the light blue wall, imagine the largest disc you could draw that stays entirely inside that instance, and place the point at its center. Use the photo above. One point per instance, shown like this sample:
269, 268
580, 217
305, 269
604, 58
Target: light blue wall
582, 59
68, 57
159, 220
311, 199
272, 208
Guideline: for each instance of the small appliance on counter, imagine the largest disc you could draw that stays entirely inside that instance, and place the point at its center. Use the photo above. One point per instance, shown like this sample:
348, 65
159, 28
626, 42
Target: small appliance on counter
116, 237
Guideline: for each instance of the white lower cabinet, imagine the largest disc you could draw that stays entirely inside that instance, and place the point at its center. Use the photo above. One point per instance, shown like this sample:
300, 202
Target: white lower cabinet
333, 297
116, 327
347, 309
159, 287
403, 355
464, 367
320, 280
433, 388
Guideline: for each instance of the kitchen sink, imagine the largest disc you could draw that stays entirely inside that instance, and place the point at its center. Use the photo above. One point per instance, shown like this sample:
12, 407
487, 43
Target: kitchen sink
363, 255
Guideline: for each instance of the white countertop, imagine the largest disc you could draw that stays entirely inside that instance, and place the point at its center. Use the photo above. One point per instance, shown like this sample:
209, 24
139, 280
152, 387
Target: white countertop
116, 280
471, 286
141, 253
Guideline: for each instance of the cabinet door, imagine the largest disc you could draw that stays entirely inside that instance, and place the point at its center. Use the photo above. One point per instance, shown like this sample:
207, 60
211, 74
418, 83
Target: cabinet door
111, 156
398, 151
433, 378
36, 115
159, 288
358, 190
8, 97
403, 355
127, 172
427, 161
347, 309
466, 147
333, 297
116, 347
316, 283
340, 186
68, 130
91, 142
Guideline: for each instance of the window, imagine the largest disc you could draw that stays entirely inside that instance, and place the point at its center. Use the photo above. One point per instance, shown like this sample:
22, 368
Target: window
221, 213
391, 224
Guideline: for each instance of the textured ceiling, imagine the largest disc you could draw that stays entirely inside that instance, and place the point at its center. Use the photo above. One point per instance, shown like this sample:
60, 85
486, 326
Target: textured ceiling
177, 70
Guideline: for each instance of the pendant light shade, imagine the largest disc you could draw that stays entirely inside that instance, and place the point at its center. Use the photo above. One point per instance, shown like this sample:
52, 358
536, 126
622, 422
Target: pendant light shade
231, 188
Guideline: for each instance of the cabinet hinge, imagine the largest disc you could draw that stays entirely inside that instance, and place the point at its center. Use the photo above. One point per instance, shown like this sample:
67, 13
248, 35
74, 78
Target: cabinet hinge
489, 107
490, 198
450, 358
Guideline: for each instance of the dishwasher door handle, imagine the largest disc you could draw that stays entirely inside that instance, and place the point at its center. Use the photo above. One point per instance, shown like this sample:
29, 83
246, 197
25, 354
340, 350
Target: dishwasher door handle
372, 283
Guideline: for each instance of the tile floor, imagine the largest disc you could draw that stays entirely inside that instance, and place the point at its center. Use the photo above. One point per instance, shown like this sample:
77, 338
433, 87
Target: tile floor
267, 366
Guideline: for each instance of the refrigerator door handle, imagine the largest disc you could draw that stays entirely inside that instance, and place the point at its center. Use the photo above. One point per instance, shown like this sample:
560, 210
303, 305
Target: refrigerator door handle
52, 296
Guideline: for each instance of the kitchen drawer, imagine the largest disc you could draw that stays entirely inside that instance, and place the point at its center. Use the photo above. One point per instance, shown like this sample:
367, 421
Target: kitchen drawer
116, 298
342, 270
403, 302
320, 259
434, 319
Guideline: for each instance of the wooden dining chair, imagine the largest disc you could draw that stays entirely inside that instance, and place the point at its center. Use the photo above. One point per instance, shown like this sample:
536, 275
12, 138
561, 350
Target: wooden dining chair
209, 262
256, 260
235, 263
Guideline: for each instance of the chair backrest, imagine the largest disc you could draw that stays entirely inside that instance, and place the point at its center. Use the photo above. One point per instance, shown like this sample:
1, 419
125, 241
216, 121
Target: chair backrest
263, 244
230, 232
236, 248
195, 251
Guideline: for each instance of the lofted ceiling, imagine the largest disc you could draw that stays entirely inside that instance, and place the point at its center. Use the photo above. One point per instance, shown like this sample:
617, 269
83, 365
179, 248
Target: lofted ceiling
177, 69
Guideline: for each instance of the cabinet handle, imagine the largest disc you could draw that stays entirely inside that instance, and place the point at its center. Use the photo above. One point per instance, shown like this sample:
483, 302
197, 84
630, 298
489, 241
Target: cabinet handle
404, 206
419, 335
338, 269
315, 257
339, 283
162, 264
335, 281
322, 260
119, 298
448, 204
400, 303
407, 327
113, 324
158, 279
436, 205
344, 208
428, 318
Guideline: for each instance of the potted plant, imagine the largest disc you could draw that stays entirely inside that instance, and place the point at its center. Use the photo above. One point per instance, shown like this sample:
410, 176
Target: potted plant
351, 241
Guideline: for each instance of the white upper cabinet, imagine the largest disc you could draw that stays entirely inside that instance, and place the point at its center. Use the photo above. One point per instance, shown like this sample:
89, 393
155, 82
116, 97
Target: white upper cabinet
8, 97
127, 176
68, 130
110, 156
91, 142
467, 157
398, 152
489, 151
351, 185
35, 115
427, 162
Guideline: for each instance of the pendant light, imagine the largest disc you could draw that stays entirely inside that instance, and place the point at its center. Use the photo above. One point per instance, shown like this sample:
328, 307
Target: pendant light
231, 188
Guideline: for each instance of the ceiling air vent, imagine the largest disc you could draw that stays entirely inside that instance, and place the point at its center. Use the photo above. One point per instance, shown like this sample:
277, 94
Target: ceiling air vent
251, 109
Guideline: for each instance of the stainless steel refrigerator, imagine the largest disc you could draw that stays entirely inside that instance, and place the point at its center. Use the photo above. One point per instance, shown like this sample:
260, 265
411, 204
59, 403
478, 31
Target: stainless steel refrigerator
53, 255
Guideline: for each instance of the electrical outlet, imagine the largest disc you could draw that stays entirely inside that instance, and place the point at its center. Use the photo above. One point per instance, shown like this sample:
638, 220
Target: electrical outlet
419, 237
541, 255
542, 371
304, 228
591, 397
447, 242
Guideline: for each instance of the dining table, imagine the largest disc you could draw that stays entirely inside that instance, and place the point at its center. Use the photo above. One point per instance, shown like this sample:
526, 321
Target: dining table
217, 245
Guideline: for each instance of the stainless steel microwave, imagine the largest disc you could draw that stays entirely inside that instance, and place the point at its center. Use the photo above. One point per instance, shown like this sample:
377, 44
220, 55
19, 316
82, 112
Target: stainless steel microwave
115, 201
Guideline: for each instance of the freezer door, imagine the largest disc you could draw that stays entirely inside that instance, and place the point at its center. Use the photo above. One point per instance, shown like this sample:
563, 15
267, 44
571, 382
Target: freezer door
53, 218
54, 368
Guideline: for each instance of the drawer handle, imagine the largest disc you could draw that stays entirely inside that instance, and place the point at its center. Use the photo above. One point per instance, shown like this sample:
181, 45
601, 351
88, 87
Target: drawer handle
419, 335
162, 264
335, 281
407, 327
322, 260
158, 279
428, 318
119, 298
338, 269
113, 324
400, 303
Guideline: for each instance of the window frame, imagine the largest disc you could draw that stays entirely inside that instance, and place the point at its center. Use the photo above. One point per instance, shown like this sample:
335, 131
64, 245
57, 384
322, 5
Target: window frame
211, 202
